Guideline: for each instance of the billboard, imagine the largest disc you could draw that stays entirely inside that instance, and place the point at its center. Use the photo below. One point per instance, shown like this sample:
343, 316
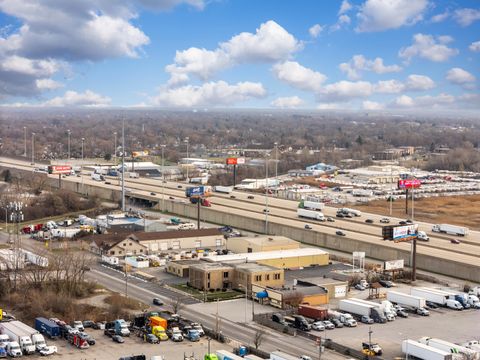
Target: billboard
409, 184
59, 169
195, 191
405, 232
394, 265
139, 153
235, 161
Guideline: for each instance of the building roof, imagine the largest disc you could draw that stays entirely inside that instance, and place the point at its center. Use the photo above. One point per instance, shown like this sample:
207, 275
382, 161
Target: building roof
185, 262
265, 255
269, 240
254, 267
206, 266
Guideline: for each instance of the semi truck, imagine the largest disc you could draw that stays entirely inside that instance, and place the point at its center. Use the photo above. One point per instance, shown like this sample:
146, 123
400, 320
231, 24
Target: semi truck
47, 327
345, 319
384, 312
360, 309
279, 355
450, 229
458, 351
227, 355
433, 295
416, 302
20, 333
422, 351
313, 205
310, 214
313, 312
223, 189
350, 211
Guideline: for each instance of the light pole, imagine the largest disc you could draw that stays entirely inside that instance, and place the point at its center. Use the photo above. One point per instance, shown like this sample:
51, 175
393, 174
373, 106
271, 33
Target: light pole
83, 145
16, 217
33, 148
115, 147
68, 141
123, 165
163, 176
186, 141
25, 142
391, 189
266, 193
276, 166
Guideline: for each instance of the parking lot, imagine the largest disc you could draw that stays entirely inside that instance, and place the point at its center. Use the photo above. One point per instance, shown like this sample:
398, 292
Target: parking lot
106, 349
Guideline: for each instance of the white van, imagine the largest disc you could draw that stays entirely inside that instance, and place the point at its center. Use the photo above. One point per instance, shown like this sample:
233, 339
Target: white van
453, 304
422, 235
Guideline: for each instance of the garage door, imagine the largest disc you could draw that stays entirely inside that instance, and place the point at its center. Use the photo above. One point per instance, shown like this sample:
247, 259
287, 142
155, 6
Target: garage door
164, 246
176, 245
340, 291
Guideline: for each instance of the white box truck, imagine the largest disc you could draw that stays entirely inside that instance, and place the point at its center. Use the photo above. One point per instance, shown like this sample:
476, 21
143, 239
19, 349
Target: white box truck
416, 302
433, 295
20, 333
450, 229
310, 214
279, 355
313, 205
422, 351
227, 355
223, 189
458, 351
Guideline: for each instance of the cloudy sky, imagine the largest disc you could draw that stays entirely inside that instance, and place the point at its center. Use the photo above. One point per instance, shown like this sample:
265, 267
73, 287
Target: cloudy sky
312, 54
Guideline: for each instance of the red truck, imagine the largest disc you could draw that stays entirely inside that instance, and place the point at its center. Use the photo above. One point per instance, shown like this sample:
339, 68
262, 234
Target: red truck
313, 312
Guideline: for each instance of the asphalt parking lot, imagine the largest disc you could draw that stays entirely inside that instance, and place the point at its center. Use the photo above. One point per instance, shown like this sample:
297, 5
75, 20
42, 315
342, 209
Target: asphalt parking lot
450, 325
106, 349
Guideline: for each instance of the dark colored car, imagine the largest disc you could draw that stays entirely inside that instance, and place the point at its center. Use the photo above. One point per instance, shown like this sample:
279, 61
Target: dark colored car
402, 222
153, 194
340, 233
109, 332
337, 323
108, 183
340, 215
88, 323
250, 197
431, 305
233, 197
171, 198
118, 339
455, 241
179, 186
330, 219
369, 221
266, 210
100, 325
408, 221
152, 339
157, 301
386, 283
308, 227
402, 313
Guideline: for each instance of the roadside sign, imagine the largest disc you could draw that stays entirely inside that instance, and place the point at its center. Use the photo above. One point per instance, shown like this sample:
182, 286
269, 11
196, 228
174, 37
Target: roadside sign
1, 314
409, 184
235, 161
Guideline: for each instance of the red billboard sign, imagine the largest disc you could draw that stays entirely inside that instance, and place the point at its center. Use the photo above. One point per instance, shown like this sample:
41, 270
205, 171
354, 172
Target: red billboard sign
59, 169
409, 184
235, 161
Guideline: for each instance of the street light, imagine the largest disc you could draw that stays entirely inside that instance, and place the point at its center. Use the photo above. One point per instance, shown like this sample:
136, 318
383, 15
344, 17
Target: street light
33, 148
163, 176
276, 165
69, 133
25, 142
186, 141
115, 147
83, 144
266, 193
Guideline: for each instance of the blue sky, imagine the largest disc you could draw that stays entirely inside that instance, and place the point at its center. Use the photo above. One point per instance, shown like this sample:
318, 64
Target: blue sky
363, 54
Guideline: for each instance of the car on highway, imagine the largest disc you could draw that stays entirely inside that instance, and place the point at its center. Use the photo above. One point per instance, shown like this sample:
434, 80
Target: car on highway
108, 183
152, 339
408, 221
340, 215
179, 186
455, 241
118, 339
233, 197
369, 221
171, 198
157, 301
385, 220
330, 219
250, 197
308, 227
422, 311
266, 210
402, 222
153, 194
348, 215
386, 283
340, 233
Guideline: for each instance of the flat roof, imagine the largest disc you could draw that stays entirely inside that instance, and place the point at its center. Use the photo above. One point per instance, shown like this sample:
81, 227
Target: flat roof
210, 266
185, 262
254, 267
269, 240
265, 255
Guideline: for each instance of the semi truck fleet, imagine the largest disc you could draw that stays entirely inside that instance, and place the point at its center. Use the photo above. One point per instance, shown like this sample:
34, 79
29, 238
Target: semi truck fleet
458, 351
19, 333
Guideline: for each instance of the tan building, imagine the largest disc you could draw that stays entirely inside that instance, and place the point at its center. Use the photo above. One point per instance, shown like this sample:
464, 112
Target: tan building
247, 274
291, 296
337, 289
207, 276
261, 243
117, 244
181, 268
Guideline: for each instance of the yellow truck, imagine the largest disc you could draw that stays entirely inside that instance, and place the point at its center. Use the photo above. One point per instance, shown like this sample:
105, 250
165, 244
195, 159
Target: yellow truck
160, 333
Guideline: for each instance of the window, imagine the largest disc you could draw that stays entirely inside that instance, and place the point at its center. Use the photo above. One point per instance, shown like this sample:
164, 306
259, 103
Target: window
130, 244
258, 277
124, 244
276, 276
249, 250
225, 274
120, 252
141, 250
267, 277
208, 277
112, 252
208, 285
218, 242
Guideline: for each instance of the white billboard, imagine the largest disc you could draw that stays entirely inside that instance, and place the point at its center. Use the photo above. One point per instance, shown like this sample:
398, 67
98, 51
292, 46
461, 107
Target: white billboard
394, 265
406, 231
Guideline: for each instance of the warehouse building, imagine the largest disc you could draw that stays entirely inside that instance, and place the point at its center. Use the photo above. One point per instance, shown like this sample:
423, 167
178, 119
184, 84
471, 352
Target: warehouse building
247, 274
181, 268
260, 244
211, 276
282, 259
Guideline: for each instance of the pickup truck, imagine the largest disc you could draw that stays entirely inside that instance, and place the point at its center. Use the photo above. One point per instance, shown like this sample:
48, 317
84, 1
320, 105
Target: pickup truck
375, 348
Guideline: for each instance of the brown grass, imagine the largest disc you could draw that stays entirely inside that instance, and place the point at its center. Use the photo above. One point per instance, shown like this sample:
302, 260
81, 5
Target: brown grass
456, 210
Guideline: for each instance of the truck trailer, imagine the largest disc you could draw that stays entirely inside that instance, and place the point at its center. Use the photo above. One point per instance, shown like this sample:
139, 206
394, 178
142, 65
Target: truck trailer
450, 229
48, 327
458, 351
227, 355
416, 302
20, 333
433, 295
313, 312
279, 355
310, 214
361, 309
223, 189
313, 205
425, 352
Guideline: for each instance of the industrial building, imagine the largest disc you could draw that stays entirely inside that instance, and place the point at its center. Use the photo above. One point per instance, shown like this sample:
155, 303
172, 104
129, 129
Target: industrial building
260, 244
181, 268
246, 274
321, 168
211, 276
282, 259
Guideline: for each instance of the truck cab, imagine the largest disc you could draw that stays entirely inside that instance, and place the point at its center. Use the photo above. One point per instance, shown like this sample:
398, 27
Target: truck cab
26, 345
38, 341
4, 340
121, 327
160, 333
13, 349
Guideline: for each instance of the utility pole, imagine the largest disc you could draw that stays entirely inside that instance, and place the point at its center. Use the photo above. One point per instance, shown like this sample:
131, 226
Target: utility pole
123, 165
83, 146
276, 166
266, 193
163, 176
33, 148
188, 165
16, 217
25, 143
68, 146
115, 147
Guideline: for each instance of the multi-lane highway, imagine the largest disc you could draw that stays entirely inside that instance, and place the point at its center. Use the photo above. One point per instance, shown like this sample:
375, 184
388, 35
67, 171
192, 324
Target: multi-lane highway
284, 212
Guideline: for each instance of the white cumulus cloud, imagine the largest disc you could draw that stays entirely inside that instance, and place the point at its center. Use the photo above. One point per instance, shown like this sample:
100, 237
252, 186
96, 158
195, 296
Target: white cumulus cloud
437, 101
315, 30
380, 15
359, 63
75, 99
209, 94
298, 76
419, 82
461, 77
270, 43
372, 105
428, 47
440, 17
289, 102
48, 84
475, 46
389, 87
344, 7
466, 17
345, 91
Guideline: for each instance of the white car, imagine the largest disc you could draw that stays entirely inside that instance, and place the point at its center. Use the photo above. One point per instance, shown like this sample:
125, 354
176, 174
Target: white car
318, 325
48, 350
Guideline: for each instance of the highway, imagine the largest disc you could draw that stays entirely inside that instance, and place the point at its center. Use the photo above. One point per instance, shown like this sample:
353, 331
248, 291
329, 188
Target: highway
284, 212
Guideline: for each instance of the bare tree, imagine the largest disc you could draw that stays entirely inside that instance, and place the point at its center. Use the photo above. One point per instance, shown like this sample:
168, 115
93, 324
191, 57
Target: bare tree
293, 298
258, 338
176, 304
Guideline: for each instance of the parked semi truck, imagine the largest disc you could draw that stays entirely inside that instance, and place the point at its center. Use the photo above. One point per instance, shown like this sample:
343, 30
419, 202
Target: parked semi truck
458, 351
416, 302
345, 319
360, 309
223, 189
425, 352
313, 205
450, 229
197, 191
310, 214
382, 310
434, 295
19, 332
47, 327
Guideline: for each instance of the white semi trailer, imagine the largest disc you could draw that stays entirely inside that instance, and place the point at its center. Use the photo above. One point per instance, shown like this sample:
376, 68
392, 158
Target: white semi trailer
460, 352
434, 295
416, 302
422, 351
310, 214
